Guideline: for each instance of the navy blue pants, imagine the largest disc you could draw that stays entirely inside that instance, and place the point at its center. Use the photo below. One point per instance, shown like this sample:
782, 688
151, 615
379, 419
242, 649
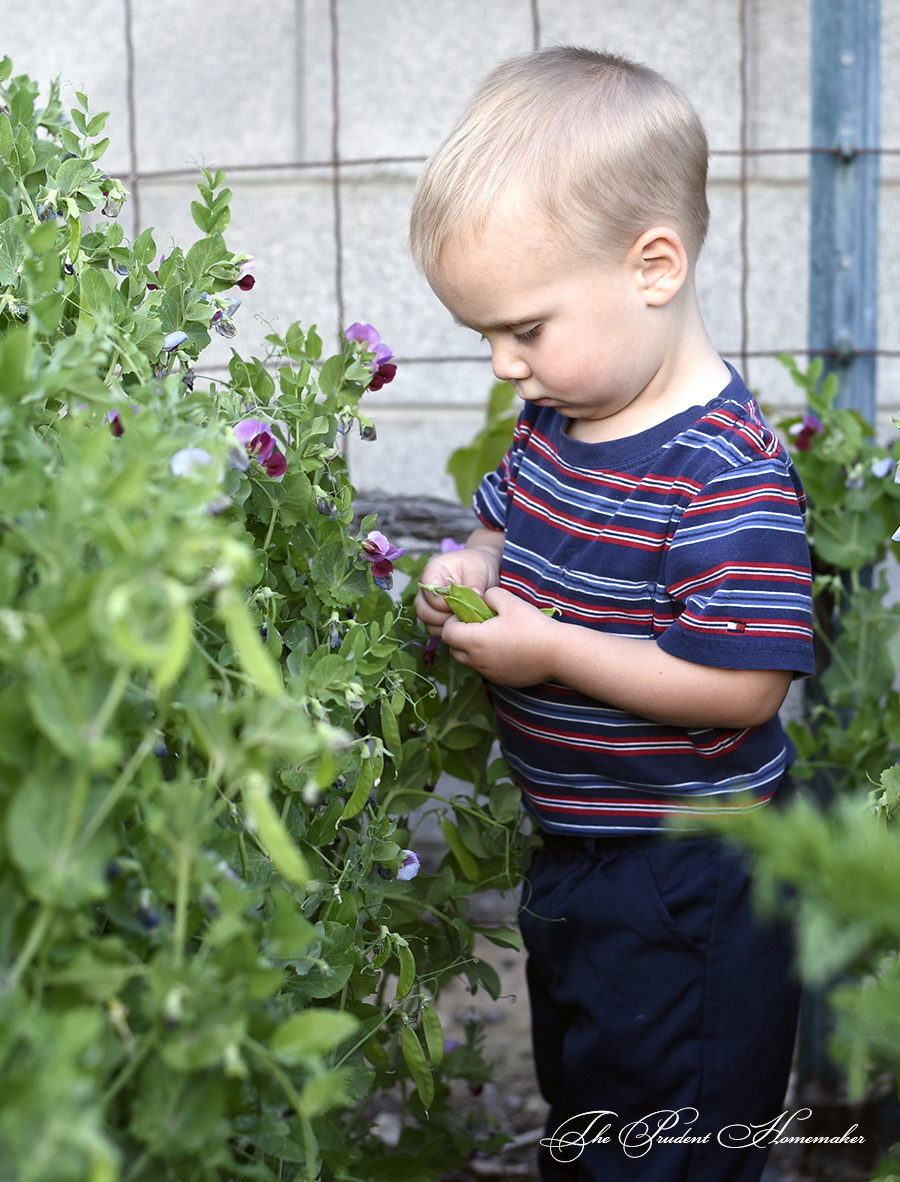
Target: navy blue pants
663, 1011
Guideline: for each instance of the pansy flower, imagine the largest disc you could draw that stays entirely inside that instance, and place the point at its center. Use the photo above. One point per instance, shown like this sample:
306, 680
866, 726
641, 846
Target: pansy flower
804, 431
257, 438
383, 370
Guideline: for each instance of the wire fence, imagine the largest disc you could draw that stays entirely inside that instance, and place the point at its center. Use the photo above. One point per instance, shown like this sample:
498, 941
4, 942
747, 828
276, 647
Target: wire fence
338, 169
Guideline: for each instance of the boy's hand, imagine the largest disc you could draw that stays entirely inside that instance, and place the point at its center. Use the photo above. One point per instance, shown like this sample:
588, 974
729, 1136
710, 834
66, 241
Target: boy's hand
512, 649
478, 566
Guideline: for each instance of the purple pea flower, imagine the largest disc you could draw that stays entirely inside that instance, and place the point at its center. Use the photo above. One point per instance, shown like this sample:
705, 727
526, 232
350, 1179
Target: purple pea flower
246, 280
804, 431
381, 553
173, 340
448, 545
429, 656
115, 193
257, 438
382, 369
409, 867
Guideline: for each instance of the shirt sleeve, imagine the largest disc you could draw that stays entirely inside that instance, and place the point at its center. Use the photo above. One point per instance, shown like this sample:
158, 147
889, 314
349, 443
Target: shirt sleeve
738, 570
492, 497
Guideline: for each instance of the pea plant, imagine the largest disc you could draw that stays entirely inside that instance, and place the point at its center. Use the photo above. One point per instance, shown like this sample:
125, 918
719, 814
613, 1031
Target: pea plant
218, 944
852, 728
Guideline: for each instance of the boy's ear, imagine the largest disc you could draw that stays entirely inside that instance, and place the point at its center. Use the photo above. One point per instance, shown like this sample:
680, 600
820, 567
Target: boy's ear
662, 264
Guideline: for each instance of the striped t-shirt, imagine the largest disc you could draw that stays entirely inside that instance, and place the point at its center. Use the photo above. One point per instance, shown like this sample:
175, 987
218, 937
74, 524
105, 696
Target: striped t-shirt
690, 533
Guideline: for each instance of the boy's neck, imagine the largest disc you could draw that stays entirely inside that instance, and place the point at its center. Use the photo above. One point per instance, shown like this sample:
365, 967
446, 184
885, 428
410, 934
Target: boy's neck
695, 376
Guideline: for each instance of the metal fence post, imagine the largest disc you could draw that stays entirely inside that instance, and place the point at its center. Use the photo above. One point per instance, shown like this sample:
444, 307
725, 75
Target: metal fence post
843, 276
843, 251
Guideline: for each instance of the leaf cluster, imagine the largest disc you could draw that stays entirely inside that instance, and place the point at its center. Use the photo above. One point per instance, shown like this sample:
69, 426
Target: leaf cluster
219, 733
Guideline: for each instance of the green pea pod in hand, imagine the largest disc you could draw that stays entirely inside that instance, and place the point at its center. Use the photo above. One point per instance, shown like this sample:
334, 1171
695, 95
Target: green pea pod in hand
467, 605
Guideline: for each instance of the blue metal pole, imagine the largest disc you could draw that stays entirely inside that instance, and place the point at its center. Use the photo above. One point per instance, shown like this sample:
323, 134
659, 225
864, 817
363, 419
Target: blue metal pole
843, 273
843, 252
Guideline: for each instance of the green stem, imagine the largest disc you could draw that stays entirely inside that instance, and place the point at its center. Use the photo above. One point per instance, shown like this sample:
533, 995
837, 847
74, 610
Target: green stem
271, 529
28, 201
29, 948
108, 707
125, 1074
118, 788
182, 890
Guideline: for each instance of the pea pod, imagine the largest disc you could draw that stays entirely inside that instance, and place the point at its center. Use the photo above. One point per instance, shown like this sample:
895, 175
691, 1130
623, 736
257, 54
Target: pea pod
434, 1034
467, 605
464, 602
407, 970
415, 1060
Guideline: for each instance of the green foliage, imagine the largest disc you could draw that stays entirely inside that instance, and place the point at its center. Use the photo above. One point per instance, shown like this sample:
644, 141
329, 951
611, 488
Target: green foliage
467, 465
853, 726
216, 726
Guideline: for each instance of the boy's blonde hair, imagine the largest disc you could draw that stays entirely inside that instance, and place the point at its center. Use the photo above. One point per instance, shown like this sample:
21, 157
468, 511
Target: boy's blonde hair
601, 146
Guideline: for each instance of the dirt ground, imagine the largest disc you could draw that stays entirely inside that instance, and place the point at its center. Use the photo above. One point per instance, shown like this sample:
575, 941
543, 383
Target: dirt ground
512, 1103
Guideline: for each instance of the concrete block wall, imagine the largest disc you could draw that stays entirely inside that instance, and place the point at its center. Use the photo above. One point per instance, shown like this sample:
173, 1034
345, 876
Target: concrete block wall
274, 90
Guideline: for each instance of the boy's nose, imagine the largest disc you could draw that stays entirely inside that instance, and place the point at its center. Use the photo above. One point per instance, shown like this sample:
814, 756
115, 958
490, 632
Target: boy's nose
507, 364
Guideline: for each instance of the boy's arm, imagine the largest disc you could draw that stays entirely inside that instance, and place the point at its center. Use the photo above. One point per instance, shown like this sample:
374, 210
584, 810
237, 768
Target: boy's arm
477, 566
522, 646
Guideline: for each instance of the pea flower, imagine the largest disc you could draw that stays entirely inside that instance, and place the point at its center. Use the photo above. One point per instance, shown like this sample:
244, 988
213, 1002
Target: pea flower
381, 553
173, 340
804, 431
223, 321
409, 867
246, 280
855, 477
188, 458
448, 545
382, 369
883, 467
115, 193
257, 438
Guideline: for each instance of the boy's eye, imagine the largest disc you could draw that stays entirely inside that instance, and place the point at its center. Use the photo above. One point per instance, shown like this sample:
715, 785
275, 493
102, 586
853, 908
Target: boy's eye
529, 335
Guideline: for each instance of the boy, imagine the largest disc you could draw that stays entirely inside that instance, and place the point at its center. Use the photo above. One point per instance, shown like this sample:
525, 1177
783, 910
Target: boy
645, 499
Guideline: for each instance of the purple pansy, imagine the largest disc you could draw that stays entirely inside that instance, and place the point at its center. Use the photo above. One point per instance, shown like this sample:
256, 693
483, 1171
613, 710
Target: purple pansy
257, 438
804, 431
382, 369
